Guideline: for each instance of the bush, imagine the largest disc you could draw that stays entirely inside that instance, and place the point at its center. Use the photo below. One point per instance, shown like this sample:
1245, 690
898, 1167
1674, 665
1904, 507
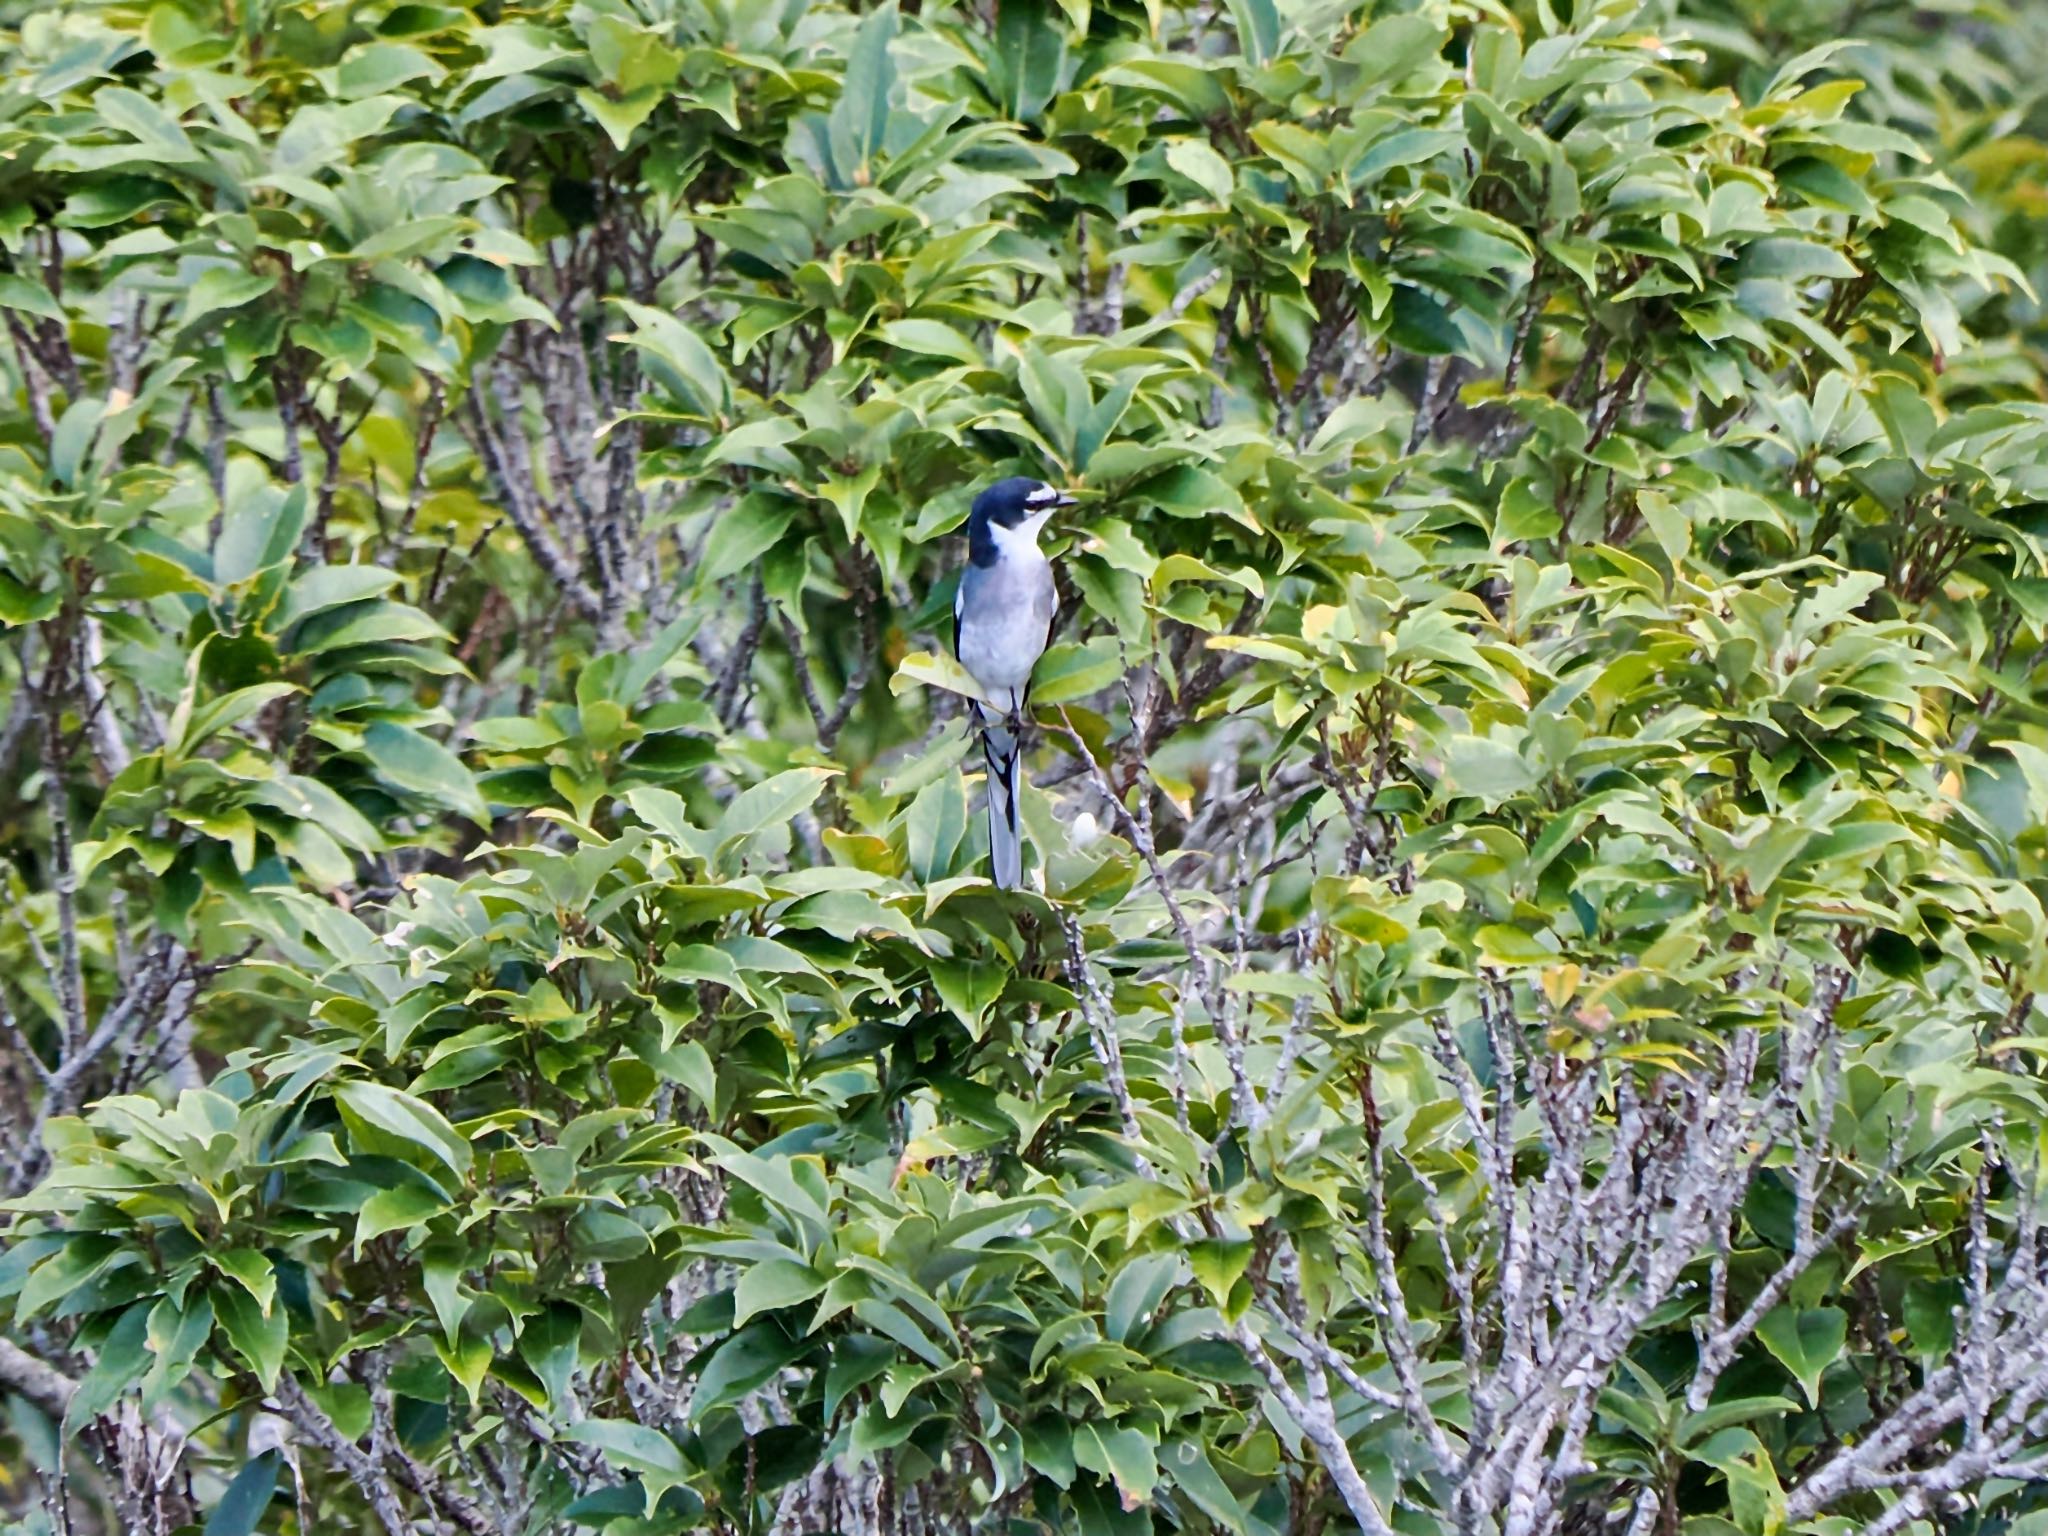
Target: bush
1524, 1020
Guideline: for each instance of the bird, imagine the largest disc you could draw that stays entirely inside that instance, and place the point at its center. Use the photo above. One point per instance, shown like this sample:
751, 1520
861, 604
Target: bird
1002, 622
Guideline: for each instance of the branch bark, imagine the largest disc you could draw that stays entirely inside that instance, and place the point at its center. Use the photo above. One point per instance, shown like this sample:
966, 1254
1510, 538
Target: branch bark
28, 1377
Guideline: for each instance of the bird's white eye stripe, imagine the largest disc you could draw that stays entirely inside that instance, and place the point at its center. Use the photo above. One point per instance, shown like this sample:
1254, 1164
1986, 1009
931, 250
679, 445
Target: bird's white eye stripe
1041, 496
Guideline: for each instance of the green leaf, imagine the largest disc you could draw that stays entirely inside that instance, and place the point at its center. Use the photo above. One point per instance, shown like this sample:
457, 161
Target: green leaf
219, 288
320, 135
741, 1364
1197, 160
369, 69
934, 338
1258, 29
145, 121
848, 495
468, 1361
1821, 182
20, 604
404, 757
1049, 1449
773, 1179
242, 1508
76, 430
857, 1359
1135, 1292
860, 117
679, 358
1067, 672
548, 1343
741, 536
1895, 956
1786, 257
969, 988
410, 1120
1124, 1455
1024, 61
634, 1448
1393, 47
114, 199
1218, 1265
632, 58
772, 802
1421, 323
258, 1337
1505, 944
259, 531
1489, 769
229, 709
81, 1260
1405, 146
366, 624
1187, 1463
17, 292
922, 669
1806, 1342
773, 1285
122, 1358
396, 1210
1718, 1416
250, 1270
933, 827
177, 1332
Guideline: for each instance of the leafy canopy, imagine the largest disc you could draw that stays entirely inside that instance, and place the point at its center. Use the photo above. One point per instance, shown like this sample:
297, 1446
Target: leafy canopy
499, 972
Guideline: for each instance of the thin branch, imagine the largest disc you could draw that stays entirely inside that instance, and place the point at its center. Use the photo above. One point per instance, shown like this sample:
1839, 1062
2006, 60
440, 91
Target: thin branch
43, 1385
830, 722
1137, 829
1193, 290
1100, 1014
431, 416
1219, 354
365, 1473
726, 696
39, 410
522, 507
1319, 1422
70, 973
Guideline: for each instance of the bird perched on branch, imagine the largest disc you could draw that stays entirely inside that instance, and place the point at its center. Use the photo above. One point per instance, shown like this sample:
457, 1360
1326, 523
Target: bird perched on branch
1002, 620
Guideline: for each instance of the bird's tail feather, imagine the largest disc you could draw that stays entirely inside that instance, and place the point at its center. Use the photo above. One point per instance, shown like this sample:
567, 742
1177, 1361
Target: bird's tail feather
1002, 750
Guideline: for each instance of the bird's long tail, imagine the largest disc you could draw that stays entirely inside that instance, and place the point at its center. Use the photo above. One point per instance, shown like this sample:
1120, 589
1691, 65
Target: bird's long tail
1002, 749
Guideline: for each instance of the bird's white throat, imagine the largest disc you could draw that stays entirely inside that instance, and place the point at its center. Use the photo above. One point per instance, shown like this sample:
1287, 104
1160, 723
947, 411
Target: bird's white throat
1020, 542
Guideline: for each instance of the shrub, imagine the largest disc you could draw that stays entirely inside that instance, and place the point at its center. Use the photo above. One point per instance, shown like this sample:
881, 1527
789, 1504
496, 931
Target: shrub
1525, 1017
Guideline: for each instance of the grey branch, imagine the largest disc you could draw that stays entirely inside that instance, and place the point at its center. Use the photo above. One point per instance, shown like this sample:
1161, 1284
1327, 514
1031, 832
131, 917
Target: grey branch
43, 1385
1993, 1390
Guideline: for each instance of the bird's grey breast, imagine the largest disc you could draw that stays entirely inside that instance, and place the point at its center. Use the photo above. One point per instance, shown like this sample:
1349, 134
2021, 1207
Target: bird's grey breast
1005, 615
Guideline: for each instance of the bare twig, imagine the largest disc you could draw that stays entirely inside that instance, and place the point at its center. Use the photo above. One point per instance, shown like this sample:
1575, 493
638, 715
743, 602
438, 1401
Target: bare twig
362, 1470
515, 487
830, 722
727, 696
1100, 1014
1219, 354
431, 415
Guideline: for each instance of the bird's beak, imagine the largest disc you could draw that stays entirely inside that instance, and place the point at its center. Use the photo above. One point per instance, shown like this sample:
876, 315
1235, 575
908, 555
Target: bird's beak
1064, 500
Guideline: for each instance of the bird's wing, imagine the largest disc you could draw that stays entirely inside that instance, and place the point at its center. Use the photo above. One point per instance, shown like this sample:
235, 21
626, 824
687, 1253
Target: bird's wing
1051, 599
959, 607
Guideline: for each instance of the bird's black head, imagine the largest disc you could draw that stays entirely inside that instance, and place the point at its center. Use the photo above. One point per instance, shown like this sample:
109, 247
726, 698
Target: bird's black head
1008, 502
1019, 502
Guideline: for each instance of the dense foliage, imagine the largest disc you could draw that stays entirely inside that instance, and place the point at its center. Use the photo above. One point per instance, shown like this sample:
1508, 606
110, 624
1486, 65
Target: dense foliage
1526, 1017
